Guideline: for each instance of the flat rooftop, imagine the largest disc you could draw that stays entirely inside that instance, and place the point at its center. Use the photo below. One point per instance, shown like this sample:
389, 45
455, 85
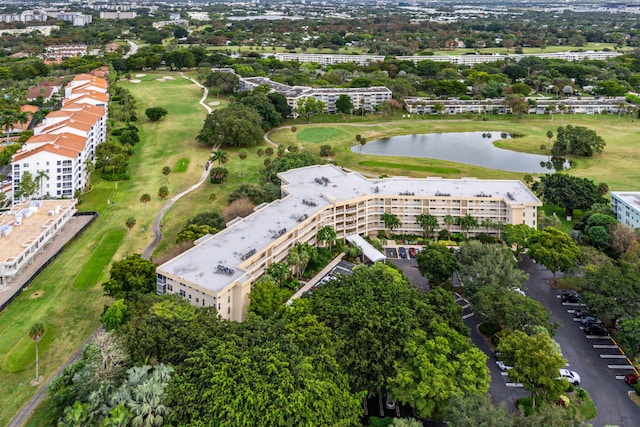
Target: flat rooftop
630, 197
307, 193
30, 228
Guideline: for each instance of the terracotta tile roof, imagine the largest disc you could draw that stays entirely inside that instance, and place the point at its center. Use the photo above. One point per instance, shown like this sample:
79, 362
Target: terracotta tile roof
89, 108
51, 148
97, 96
36, 91
63, 139
29, 109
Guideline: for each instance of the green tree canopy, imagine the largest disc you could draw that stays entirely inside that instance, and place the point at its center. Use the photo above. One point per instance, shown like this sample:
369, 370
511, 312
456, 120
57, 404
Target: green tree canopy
535, 362
554, 249
265, 108
577, 140
155, 113
436, 262
130, 278
568, 192
234, 126
252, 376
436, 367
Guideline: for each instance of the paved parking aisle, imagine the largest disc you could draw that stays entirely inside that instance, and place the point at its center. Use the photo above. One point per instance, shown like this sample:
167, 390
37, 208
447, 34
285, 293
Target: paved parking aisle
591, 356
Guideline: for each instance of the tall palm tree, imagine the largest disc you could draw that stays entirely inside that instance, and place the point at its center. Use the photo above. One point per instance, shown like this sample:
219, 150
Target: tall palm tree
147, 405
391, 221
243, 156
363, 142
36, 333
163, 192
130, 223
7, 119
165, 172
89, 167
220, 156
39, 178
428, 223
294, 129
144, 199
327, 234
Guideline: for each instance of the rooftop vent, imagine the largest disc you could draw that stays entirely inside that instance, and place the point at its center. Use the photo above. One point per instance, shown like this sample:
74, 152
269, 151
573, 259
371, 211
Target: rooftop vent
221, 269
248, 255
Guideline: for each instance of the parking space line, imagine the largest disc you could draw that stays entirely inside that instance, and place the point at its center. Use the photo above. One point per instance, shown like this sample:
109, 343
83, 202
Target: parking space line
604, 346
514, 385
465, 306
598, 337
620, 367
613, 356
620, 377
466, 316
571, 304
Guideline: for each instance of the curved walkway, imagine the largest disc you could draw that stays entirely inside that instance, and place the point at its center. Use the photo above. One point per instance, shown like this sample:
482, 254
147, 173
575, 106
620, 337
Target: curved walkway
156, 226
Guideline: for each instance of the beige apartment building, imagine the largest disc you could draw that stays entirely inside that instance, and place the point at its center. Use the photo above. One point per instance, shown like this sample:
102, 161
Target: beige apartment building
220, 269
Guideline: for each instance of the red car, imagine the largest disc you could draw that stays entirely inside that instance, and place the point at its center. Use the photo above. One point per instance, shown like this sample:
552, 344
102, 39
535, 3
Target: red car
631, 379
412, 252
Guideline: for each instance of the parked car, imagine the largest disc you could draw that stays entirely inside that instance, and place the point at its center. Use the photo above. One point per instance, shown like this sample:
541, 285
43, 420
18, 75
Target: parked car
402, 252
389, 401
571, 376
582, 313
590, 320
595, 329
518, 290
631, 379
503, 367
412, 252
570, 296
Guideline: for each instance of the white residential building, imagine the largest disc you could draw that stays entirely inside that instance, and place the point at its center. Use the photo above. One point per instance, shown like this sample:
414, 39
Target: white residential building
626, 206
367, 98
328, 59
64, 142
220, 269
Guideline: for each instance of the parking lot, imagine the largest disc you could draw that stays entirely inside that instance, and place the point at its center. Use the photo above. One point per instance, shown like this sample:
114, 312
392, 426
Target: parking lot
599, 361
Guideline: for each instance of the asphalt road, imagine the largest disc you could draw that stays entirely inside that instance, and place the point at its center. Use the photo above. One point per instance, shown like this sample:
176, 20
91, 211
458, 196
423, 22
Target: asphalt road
608, 391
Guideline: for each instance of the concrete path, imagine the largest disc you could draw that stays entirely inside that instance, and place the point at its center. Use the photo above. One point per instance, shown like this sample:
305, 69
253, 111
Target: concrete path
133, 49
156, 226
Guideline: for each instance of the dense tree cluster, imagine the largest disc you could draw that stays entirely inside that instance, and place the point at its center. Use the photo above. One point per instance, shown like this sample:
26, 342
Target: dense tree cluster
577, 140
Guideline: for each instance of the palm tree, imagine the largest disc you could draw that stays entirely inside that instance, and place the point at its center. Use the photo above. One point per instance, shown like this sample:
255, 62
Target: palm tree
7, 119
89, 167
363, 142
147, 405
268, 151
260, 152
220, 156
163, 192
487, 223
391, 221
144, 199
428, 223
449, 220
326, 234
466, 223
293, 131
243, 156
39, 178
36, 333
130, 223
165, 172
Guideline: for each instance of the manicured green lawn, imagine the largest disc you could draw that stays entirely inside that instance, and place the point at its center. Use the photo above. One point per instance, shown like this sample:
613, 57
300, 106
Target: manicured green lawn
617, 166
181, 166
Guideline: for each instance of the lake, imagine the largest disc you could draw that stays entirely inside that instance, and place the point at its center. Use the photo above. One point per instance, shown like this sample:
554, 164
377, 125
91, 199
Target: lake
472, 148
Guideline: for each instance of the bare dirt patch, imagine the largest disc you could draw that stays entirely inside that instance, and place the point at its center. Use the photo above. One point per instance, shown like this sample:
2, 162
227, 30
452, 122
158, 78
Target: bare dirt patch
36, 294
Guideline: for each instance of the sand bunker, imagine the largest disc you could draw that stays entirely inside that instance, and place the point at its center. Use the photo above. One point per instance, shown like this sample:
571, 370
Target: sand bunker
161, 79
140, 75
135, 81
35, 295
169, 78
214, 103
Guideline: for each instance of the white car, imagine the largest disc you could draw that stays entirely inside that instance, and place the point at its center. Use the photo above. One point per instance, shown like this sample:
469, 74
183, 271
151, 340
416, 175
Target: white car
571, 376
502, 366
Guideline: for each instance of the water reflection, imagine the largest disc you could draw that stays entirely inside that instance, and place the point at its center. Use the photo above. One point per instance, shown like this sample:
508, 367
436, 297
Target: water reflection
473, 148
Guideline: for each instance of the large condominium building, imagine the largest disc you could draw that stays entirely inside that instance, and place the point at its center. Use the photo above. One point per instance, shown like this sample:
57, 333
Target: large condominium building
626, 206
366, 98
220, 269
58, 152
26, 229
66, 51
118, 15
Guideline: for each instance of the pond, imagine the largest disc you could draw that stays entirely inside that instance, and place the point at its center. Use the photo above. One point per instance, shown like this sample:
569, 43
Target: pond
472, 148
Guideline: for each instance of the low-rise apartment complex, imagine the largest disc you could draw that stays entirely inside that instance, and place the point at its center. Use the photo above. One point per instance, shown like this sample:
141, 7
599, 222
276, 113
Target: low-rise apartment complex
470, 60
26, 229
366, 98
626, 207
613, 105
220, 270
65, 141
